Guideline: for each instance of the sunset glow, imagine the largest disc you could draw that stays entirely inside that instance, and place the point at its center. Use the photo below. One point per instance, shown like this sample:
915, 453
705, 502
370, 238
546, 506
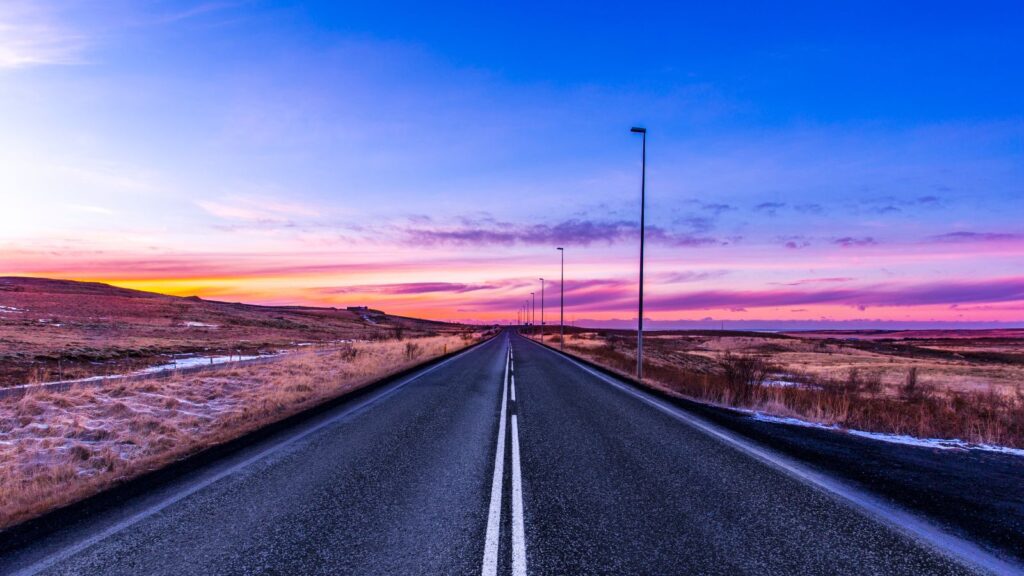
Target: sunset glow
184, 152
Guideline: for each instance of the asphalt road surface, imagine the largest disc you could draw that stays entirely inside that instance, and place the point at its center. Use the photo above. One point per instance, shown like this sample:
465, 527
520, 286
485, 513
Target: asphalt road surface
506, 459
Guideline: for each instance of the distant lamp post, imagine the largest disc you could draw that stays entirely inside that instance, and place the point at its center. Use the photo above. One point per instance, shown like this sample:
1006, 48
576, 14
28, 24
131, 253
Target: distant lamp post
561, 303
533, 310
541, 309
640, 315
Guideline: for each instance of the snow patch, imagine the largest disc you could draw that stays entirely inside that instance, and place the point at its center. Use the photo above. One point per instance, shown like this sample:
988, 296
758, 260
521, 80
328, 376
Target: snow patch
784, 381
906, 440
176, 364
11, 310
941, 443
762, 417
194, 361
784, 384
191, 324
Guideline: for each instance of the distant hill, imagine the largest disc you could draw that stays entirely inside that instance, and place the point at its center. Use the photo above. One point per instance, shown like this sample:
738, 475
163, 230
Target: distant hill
84, 328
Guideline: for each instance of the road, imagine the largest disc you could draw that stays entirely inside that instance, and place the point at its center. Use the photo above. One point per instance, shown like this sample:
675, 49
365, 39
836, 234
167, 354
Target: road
506, 459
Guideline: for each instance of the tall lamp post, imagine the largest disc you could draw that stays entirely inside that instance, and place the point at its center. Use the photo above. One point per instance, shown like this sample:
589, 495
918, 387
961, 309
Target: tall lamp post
533, 311
541, 309
640, 315
561, 303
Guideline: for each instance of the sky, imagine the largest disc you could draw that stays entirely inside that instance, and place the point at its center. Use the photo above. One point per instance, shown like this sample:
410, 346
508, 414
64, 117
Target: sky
817, 164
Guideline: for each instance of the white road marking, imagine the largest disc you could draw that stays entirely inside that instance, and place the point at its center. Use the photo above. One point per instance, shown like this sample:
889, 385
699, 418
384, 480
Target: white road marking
492, 539
920, 530
73, 549
518, 530
513, 387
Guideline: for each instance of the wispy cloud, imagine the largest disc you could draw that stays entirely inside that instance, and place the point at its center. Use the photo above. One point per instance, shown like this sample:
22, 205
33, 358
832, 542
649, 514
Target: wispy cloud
769, 208
942, 293
32, 35
805, 281
853, 242
717, 208
809, 208
200, 9
977, 237
688, 277
255, 209
795, 242
570, 232
893, 205
409, 288
90, 209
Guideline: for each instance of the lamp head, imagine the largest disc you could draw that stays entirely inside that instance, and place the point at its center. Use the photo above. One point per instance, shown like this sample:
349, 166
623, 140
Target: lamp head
638, 130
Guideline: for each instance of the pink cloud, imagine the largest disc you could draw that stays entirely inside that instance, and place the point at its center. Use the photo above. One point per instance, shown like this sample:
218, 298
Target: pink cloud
409, 288
998, 290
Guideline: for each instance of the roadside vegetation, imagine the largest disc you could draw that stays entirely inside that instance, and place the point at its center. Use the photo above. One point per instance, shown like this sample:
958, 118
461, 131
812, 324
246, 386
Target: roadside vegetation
61, 447
883, 389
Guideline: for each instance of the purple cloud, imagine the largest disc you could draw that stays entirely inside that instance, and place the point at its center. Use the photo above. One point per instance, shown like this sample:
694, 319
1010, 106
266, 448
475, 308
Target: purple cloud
832, 280
954, 237
810, 208
717, 209
1002, 290
851, 242
769, 208
795, 242
569, 232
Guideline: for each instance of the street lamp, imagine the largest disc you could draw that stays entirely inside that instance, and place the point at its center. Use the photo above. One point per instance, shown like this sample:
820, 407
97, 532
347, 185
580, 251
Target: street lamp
541, 309
533, 312
561, 303
640, 315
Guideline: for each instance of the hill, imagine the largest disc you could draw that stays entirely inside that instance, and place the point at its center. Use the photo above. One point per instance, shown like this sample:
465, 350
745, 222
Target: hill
59, 329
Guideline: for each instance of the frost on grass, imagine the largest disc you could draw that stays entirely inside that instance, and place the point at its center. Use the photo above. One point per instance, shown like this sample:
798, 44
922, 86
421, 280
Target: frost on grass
59, 447
746, 373
188, 361
904, 439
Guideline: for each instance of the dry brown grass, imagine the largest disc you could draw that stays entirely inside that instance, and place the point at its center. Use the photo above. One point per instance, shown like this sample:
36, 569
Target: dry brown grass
58, 448
57, 329
732, 372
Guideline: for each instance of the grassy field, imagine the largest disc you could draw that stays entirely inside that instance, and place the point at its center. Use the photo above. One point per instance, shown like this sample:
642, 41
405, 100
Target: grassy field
928, 384
58, 329
58, 448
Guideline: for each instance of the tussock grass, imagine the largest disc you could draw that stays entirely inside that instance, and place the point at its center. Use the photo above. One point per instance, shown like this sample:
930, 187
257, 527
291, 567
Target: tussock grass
856, 401
60, 447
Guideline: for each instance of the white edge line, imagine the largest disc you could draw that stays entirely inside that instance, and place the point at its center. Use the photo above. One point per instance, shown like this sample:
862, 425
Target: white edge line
492, 538
518, 529
947, 544
149, 511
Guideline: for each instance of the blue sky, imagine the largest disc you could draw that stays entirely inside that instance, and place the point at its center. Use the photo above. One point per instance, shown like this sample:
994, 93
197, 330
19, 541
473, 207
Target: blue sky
878, 144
